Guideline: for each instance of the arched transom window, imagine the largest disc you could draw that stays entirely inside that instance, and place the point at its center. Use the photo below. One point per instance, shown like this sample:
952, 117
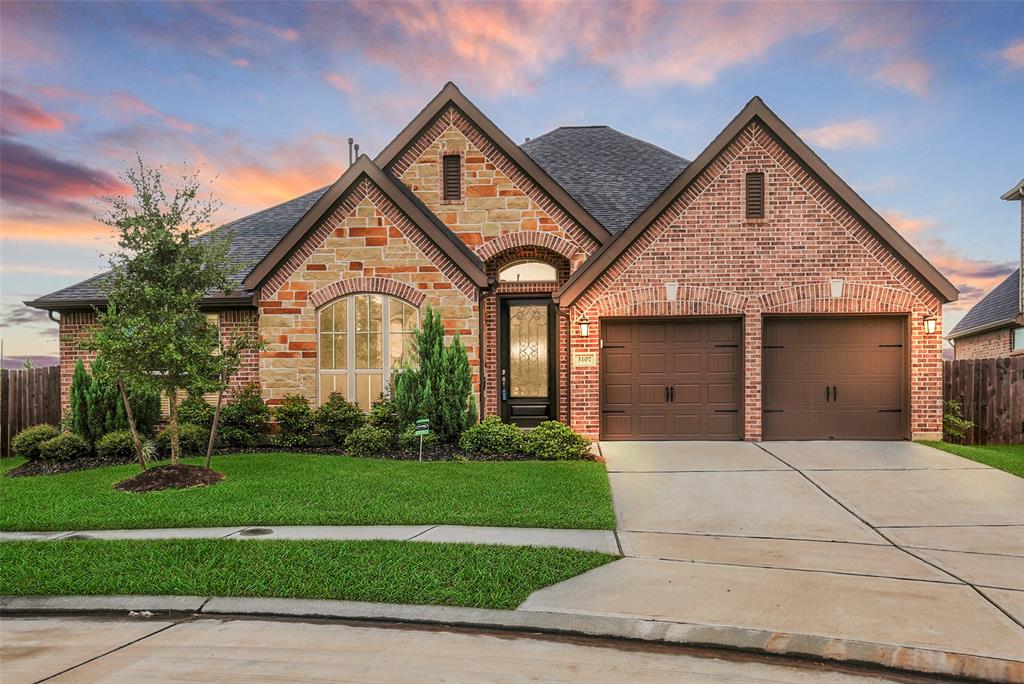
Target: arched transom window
363, 338
528, 272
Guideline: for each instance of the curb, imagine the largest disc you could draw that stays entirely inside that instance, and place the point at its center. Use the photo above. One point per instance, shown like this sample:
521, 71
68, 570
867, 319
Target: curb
891, 656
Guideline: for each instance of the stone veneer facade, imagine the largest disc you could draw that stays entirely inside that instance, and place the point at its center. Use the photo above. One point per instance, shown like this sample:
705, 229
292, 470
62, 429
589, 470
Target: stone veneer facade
727, 265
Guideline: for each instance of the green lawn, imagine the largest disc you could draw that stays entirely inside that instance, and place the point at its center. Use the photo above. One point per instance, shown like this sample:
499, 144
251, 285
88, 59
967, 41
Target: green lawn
1008, 457
379, 571
305, 489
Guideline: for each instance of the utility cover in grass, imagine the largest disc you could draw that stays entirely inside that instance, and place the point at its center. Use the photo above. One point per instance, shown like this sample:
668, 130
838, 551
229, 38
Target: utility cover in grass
170, 477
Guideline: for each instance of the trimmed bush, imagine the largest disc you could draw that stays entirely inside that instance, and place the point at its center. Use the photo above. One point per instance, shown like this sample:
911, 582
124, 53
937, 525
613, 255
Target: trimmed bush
295, 420
26, 443
116, 445
246, 412
384, 414
368, 441
196, 411
236, 439
337, 418
554, 441
193, 439
494, 438
67, 446
409, 442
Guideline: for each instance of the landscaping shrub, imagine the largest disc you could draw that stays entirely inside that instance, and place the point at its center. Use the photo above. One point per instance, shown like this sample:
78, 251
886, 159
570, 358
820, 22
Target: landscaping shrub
409, 442
66, 446
368, 441
97, 407
26, 443
954, 425
494, 438
236, 438
295, 420
116, 445
80, 383
384, 414
247, 412
193, 439
554, 441
440, 388
197, 411
337, 418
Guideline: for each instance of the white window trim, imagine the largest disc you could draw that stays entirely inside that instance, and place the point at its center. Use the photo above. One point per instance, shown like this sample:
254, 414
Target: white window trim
350, 346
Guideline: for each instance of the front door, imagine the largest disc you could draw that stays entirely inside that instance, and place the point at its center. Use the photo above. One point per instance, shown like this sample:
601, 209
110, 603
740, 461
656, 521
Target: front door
527, 375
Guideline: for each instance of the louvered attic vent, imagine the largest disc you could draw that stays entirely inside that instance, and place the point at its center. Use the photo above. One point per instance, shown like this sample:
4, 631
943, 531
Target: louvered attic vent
755, 195
452, 169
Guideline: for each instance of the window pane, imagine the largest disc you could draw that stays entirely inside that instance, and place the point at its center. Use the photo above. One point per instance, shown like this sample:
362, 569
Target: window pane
331, 383
341, 315
1018, 338
362, 304
375, 351
368, 388
326, 351
397, 322
376, 312
341, 351
327, 318
411, 317
528, 272
362, 350
397, 343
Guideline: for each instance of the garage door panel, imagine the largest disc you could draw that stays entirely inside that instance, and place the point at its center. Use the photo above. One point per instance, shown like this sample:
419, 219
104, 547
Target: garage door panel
842, 378
699, 359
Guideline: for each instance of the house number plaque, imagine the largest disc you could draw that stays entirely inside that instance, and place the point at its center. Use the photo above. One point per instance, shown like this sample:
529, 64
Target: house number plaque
584, 359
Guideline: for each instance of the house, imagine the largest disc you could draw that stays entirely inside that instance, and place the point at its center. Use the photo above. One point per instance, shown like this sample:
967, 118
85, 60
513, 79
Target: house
994, 326
595, 279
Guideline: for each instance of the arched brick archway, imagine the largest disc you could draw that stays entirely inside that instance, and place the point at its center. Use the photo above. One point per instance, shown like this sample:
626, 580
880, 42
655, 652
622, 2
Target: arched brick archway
387, 286
527, 238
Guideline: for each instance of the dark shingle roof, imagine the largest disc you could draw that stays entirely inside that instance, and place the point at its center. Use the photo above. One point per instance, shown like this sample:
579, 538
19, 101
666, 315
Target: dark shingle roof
253, 237
1000, 305
612, 175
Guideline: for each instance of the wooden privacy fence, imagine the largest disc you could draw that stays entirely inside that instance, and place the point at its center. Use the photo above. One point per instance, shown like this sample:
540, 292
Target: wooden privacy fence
992, 394
27, 397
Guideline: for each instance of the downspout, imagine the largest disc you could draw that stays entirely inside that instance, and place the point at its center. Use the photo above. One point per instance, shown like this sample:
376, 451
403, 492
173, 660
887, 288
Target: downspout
50, 314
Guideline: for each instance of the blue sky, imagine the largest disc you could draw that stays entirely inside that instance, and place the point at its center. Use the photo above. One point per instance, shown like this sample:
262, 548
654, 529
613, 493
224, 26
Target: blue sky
918, 106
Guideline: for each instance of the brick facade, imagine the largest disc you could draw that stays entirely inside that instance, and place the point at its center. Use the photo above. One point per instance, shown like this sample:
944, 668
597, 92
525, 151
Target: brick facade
725, 264
986, 345
366, 244
74, 329
233, 324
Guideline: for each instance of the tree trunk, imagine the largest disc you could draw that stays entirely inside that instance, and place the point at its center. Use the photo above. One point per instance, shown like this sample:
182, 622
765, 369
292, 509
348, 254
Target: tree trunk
216, 420
136, 442
175, 442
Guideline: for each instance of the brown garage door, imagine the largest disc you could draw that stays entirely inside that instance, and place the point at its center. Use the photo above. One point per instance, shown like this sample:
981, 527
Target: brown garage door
671, 379
834, 378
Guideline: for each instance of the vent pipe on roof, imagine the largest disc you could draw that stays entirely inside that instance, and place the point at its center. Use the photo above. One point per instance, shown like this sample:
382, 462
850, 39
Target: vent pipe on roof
350, 159
357, 150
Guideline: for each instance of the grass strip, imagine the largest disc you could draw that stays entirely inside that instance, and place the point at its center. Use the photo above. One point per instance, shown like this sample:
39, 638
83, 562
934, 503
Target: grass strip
310, 489
1008, 457
379, 571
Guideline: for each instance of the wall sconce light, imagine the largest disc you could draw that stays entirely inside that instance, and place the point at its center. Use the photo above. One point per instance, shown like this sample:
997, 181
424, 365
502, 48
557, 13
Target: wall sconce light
836, 288
929, 324
584, 326
671, 290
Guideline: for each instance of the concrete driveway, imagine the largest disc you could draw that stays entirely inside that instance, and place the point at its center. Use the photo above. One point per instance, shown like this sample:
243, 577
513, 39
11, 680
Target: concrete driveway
886, 542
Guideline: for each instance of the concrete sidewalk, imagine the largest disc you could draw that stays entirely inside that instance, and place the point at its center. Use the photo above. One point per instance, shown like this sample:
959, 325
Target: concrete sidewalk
585, 540
893, 543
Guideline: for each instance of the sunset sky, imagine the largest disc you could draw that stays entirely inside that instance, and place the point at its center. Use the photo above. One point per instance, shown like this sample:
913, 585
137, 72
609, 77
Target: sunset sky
918, 106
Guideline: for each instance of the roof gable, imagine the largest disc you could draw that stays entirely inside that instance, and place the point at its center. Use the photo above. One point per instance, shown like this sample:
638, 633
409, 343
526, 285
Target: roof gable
999, 307
757, 111
364, 167
451, 96
613, 175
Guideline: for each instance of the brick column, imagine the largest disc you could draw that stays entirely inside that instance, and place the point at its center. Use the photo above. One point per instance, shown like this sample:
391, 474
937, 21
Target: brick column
752, 327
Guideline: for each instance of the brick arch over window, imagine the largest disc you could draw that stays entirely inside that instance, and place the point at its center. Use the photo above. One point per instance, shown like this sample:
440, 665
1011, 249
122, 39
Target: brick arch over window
387, 286
817, 298
527, 238
690, 300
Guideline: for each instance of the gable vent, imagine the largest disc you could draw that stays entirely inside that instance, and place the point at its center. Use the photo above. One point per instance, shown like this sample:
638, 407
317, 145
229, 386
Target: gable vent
452, 170
755, 195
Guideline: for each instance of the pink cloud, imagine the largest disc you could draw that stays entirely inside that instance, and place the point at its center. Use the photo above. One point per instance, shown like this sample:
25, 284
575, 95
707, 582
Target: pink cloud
241, 63
18, 115
842, 134
906, 223
1014, 54
31, 176
914, 76
340, 82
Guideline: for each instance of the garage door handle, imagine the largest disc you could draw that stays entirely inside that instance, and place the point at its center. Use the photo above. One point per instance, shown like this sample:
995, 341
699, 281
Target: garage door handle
826, 392
835, 393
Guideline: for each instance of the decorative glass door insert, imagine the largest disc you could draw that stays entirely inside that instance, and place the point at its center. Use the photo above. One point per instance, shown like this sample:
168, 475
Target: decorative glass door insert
528, 350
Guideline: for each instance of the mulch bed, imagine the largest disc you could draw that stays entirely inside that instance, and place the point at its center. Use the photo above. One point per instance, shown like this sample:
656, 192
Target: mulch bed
170, 477
47, 468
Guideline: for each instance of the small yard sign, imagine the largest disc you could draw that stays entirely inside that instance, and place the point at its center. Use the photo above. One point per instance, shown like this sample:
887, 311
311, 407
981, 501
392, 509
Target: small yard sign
422, 429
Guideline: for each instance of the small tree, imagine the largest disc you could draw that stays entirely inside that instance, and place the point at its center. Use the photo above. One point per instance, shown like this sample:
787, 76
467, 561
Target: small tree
153, 334
81, 381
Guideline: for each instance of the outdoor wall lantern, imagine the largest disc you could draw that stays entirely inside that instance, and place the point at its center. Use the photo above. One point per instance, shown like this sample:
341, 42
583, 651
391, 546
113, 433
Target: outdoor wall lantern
584, 326
929, 324
671, 290
836, 287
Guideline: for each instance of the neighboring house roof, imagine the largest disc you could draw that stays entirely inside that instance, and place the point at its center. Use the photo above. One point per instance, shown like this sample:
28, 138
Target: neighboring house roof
613, 175
261, 231
1015, 193
998, 308
436, 230
450, 95
755, 110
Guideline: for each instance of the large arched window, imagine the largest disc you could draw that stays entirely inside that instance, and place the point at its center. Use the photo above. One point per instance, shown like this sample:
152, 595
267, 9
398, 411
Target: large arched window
528, 272
362, 339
